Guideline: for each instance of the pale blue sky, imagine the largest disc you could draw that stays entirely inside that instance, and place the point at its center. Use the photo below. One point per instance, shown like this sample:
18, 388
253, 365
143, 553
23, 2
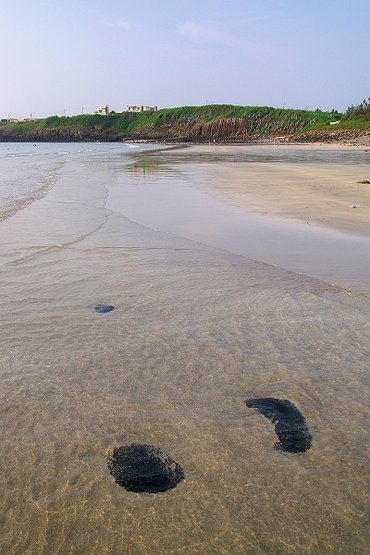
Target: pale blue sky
67, 55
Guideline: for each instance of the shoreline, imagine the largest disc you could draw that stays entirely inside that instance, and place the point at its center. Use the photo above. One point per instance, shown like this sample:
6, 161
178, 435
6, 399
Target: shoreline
205, 194
319, 194
362, 141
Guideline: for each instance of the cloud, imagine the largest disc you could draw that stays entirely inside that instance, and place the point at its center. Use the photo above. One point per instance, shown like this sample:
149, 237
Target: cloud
118, 23
225, 32
123, 24
204, 31
232, 34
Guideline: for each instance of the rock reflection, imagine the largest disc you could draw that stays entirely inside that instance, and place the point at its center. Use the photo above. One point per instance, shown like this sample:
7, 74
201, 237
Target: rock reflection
147, 166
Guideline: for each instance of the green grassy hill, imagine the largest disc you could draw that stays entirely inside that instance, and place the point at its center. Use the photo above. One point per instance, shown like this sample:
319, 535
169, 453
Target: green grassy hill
198, 123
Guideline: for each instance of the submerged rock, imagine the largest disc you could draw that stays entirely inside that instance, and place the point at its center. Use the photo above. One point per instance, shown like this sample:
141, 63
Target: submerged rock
101, 308
290, 424
144, 468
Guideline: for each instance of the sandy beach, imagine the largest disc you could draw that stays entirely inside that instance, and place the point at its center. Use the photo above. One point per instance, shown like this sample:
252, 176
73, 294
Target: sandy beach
316, 194
287, 205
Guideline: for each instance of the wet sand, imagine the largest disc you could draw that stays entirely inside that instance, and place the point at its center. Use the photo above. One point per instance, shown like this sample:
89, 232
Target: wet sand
244, 199
314, 193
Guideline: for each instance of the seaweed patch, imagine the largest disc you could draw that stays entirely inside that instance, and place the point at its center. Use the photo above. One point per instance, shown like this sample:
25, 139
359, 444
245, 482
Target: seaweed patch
290, 424
144, 468
101, 308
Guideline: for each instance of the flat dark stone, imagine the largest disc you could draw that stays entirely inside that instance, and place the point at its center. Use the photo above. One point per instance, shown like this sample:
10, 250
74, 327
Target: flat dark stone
144, 468
290, 424
101, 308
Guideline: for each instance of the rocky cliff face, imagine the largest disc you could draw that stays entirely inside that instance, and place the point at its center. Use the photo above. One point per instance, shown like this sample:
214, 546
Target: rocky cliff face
222, 130
243, 130
338, 135
232, 128
58, 134
226, 129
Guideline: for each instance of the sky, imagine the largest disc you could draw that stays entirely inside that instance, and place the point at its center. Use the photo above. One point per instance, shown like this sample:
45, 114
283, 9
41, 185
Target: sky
68, 56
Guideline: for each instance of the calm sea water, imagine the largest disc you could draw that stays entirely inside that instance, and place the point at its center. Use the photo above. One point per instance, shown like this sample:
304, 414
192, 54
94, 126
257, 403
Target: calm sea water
198, 327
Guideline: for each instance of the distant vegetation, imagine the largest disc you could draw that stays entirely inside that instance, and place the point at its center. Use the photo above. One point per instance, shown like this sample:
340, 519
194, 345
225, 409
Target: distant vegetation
188, 122
358, 115
263, 119
260, 117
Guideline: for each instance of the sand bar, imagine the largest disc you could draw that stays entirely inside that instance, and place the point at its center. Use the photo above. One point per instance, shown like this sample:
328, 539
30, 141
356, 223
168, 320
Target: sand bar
256, 200
316, 193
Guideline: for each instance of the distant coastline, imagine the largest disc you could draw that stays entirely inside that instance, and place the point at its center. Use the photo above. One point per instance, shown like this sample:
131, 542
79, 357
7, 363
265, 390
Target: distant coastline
195, 124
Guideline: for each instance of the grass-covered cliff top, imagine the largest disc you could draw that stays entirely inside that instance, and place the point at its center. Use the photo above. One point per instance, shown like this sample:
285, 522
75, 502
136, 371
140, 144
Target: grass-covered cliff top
187, 115
255, 121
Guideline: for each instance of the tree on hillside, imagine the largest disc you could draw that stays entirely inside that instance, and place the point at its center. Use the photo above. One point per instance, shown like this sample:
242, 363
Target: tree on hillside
362, 109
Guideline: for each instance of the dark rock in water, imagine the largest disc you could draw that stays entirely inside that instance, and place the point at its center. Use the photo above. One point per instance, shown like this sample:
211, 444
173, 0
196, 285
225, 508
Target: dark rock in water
101, 308
144, 468
290, 424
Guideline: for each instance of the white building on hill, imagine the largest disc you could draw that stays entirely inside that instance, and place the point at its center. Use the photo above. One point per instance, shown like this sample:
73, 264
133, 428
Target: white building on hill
141, 108
134, 108
102, 110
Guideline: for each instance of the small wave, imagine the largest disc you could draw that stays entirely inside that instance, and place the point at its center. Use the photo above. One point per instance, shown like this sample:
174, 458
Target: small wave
18, 155
21, 201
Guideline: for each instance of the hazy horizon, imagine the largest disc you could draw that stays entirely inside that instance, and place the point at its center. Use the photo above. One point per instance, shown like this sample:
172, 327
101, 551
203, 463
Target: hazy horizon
69, 58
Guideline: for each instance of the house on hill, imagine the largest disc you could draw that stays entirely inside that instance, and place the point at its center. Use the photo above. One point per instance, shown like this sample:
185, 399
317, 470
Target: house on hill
134, 108
102, 110
141, 108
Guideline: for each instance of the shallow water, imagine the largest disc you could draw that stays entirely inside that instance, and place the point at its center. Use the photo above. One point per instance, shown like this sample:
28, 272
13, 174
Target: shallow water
196, 331
179, 200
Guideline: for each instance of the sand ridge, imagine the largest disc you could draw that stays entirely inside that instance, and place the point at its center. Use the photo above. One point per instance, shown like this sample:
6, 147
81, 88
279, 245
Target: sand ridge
320, 194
